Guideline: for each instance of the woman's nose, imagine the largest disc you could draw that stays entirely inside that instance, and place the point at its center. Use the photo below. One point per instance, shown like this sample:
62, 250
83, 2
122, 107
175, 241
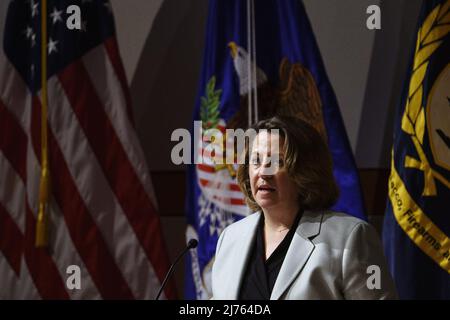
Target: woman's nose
267, 169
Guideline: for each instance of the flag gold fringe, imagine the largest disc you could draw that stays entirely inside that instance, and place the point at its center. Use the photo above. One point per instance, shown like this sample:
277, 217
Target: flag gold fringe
42, 219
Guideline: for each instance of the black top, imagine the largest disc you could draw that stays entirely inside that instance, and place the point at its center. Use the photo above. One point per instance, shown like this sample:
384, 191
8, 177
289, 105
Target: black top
260, 274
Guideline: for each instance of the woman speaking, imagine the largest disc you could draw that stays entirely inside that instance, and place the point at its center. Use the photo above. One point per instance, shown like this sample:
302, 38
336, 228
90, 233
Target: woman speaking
293, 246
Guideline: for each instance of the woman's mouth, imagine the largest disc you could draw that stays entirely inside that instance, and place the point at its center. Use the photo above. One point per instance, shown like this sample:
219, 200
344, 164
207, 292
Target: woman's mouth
265, 189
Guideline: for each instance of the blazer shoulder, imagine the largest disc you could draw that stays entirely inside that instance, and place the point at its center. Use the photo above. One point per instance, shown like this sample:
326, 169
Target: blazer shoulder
243, 224
341, 219
337, 226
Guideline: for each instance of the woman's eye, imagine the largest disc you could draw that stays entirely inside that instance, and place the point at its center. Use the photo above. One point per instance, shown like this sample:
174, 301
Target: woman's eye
254, 160
279, 163
276, 163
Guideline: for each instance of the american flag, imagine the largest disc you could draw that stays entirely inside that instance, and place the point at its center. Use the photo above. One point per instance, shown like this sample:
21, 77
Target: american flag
102, 207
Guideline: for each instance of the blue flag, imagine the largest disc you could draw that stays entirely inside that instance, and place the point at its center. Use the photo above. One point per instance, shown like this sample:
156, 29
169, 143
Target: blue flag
289, 68
417, 222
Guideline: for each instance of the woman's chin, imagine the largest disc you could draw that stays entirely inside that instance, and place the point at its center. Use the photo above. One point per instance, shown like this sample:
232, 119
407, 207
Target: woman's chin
266, 203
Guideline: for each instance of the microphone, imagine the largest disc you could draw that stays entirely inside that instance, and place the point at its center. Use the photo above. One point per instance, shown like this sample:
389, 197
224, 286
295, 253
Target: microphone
191, 245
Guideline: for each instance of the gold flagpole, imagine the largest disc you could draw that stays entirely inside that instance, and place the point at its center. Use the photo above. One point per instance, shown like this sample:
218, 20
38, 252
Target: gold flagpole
42, 219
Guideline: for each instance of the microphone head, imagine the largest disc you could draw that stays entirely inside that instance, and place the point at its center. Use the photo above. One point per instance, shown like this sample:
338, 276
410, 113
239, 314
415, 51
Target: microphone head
192, 243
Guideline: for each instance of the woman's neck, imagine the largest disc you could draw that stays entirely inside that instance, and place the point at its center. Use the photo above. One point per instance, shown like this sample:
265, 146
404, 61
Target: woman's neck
279, 219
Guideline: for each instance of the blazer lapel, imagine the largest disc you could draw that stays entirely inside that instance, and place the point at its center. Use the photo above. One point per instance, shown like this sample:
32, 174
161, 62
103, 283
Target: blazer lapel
242, 254
298, 253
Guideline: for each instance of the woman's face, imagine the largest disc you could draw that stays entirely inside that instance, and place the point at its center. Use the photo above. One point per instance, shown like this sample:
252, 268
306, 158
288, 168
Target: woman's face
270, 183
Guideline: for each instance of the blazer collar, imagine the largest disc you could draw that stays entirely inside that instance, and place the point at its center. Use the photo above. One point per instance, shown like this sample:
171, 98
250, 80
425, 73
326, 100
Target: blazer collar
310, 223
241, 255
297, 255
299, 251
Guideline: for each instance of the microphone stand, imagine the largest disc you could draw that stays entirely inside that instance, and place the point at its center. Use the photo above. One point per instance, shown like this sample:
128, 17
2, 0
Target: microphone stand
191, 245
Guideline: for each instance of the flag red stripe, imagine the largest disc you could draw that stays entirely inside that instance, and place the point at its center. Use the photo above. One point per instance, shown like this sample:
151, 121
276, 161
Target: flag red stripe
116, 166
112, 49
206, 168
51, 286
11, 240
234, 187
231, 187
43, 270
13, 144
237, 202
85, 234
232, 201
13, 141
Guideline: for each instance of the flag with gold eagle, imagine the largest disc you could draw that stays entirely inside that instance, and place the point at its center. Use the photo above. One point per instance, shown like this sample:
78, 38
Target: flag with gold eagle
291, 80
416, 230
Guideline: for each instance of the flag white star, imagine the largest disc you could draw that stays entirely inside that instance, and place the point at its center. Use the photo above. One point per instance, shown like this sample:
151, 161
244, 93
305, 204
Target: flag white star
52, 46
33, 39
34, 8
28, 32
56, 15
108, 6
84, 25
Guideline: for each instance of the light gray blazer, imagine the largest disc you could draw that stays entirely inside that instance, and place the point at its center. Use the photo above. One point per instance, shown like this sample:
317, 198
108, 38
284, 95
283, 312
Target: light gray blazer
328, 258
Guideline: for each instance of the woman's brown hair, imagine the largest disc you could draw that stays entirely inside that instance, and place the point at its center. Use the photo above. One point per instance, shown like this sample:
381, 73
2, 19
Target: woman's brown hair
306, 159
